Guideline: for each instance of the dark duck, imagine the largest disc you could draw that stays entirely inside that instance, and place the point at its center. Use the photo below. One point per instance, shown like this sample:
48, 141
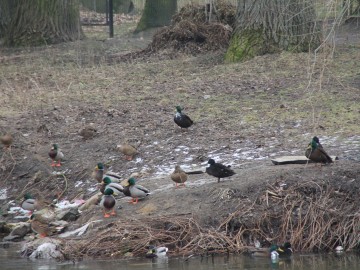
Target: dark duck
316, 152
181, 119
285, 250
219, 170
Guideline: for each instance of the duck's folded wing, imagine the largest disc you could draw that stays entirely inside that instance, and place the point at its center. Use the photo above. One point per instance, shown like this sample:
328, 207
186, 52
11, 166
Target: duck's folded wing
224, 169
144, 189
322, 151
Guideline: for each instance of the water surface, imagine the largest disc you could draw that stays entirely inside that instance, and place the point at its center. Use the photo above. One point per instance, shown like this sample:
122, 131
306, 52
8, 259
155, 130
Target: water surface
10, 260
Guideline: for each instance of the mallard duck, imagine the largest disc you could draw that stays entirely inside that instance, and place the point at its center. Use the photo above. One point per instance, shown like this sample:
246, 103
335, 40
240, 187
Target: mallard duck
41, 228
56, 155
155, 252
6, 140
99, 174
126, 191
316, 152
108, 203
181, 119
136, 191
285, 250
116, 188
264, 252
29, 203
128, 150
219, 170
45, 215
178, 176
88, 132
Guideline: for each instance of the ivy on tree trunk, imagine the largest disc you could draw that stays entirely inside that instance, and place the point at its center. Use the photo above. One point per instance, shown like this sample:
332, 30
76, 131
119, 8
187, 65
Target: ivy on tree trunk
156, 13
38, 22
265, 26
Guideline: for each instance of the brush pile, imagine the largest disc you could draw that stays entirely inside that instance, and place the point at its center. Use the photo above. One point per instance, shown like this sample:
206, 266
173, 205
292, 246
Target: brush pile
190, 32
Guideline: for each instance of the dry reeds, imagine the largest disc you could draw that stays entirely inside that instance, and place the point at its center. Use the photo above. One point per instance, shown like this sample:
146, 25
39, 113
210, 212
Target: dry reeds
182, 235
312, 217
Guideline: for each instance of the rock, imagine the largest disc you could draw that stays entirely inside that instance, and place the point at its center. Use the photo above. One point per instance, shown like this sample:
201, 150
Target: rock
91, 201
5, 244
70, 214
78, 232
18, 231
59, 225
46, 251
44, 248
29, 248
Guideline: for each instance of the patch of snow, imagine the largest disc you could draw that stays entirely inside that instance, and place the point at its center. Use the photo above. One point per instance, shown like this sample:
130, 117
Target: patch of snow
20, 211
66, 204
46, 251
92, 189
138, 160
78, 183
3, 194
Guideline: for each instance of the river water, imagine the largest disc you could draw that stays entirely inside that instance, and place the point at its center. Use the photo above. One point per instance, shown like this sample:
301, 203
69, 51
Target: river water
11, 260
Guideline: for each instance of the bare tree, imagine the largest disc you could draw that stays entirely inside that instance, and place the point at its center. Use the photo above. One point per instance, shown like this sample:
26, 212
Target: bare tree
264, 26
36, 22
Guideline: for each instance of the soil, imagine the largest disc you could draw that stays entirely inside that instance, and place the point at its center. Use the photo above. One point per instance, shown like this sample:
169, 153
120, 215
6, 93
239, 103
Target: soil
244, 114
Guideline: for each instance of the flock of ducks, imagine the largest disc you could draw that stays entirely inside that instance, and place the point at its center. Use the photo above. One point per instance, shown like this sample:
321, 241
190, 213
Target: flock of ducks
110, 183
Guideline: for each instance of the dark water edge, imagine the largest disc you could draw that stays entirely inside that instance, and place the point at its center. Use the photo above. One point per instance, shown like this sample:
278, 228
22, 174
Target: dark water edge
10, 259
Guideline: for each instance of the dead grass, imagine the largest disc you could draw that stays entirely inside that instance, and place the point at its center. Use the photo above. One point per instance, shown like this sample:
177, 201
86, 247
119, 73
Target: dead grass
60, 77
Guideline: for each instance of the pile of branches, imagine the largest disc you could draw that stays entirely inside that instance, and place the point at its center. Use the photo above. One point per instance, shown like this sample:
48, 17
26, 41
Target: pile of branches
182, 235
311, 216
190, 32
191, 38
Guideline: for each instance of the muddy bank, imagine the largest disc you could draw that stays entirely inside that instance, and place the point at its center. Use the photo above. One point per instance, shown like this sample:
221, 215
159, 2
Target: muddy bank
306, 205
244, 114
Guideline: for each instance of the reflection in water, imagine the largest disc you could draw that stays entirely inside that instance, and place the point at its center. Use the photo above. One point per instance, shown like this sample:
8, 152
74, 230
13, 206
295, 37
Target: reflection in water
9, 260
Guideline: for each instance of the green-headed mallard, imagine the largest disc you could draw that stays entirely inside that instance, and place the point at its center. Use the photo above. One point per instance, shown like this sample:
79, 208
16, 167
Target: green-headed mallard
315, 152
218, 170
29, 203
136, 191
56, 155
178, 176
264, 252
128, 150
116, 188
6, 140
181, 119
108, 203
155, 252
285, 250
41, 228
99, 174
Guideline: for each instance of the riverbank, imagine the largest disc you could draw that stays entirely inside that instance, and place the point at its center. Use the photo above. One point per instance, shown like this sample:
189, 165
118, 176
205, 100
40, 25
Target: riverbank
244, 114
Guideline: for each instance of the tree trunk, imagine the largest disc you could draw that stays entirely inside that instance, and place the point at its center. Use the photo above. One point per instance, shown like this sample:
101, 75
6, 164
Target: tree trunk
156, 13
265, 26
37, 22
